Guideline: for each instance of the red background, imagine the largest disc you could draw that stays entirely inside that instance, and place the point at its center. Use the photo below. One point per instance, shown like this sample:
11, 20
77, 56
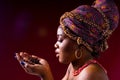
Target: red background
31, 26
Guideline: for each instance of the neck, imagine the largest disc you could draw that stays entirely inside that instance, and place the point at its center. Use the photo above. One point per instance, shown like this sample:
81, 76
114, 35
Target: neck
80, 62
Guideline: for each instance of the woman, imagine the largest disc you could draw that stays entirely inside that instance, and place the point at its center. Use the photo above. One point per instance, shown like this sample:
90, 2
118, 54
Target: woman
82, 36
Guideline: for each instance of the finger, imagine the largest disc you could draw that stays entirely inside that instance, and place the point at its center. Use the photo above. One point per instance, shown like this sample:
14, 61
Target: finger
26, 59
33, 56
35, 59
41, 60
24, 54
21, 57
30, 59
35, 69
25, 66
18, 57
31, 69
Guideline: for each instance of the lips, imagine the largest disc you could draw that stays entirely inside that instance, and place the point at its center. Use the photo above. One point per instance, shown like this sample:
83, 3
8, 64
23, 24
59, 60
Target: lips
57, 53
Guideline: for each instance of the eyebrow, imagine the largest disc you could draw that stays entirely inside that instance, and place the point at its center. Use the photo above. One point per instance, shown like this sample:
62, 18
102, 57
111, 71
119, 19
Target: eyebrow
59, 35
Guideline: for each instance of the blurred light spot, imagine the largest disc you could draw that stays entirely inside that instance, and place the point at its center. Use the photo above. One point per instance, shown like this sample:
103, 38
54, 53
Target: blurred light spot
43, 32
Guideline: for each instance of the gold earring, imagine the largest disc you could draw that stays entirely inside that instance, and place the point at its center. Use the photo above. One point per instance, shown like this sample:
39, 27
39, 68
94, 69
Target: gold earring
77, 54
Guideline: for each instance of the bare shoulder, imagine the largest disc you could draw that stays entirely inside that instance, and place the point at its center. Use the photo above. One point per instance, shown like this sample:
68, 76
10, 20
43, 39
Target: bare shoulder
93, 72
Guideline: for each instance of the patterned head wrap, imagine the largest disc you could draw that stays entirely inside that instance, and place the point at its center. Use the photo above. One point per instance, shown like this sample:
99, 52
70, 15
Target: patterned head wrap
91, 25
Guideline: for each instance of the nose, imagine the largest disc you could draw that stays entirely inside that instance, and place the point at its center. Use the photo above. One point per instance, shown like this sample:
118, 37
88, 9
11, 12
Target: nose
56, 45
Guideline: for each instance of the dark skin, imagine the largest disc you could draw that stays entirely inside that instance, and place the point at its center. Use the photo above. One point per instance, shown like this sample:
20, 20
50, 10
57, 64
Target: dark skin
65, 52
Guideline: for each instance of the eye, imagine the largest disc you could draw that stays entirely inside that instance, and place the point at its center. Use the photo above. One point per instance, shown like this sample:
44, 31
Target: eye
60, 40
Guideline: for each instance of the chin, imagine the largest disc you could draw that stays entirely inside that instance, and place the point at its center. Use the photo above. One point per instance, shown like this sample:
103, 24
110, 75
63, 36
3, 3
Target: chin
63, 61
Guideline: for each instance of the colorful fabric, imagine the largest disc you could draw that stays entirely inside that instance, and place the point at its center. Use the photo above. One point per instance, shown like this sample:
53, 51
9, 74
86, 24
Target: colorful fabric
91, 25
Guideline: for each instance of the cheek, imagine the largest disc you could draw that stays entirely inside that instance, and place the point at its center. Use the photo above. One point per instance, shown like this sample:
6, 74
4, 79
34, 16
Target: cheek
67, 51
68, 46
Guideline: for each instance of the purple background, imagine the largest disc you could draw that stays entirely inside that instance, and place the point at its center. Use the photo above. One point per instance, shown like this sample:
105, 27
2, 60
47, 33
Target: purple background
31, 26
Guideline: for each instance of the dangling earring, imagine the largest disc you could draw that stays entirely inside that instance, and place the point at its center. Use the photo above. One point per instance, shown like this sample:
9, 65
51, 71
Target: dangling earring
77, 54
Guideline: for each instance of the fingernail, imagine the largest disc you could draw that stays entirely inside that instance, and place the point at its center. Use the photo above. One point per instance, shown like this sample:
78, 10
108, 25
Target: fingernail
22, 63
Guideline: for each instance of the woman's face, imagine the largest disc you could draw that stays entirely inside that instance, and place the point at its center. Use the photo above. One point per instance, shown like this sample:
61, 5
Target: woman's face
65, 47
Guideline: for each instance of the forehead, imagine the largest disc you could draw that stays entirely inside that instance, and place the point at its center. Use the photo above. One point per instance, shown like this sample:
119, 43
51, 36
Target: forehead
60, 31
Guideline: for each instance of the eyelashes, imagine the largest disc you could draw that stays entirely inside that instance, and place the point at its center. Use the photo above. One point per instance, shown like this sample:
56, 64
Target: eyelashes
60, 40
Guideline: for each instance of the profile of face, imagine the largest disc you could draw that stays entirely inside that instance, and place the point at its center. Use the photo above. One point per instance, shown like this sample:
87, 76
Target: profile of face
65, 47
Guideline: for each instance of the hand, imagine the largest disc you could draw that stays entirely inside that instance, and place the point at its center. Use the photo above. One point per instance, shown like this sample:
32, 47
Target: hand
34, 65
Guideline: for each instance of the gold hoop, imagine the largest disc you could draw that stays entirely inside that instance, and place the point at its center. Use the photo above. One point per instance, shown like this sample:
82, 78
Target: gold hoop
76, 54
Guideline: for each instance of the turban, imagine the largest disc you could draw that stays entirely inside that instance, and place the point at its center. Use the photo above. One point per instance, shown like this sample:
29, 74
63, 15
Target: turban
91, 25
